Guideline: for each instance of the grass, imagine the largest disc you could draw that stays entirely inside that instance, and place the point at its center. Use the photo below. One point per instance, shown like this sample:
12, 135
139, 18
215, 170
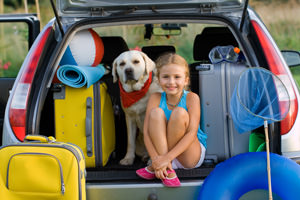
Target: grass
13, 48
296, 73
284, 25
282, 19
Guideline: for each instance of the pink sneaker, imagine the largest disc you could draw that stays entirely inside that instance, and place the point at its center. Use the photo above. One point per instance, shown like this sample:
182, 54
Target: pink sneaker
171, 182
145, 173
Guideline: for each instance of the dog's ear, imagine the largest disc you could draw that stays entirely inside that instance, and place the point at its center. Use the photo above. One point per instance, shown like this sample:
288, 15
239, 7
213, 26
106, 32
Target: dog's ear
114, 71
150, 65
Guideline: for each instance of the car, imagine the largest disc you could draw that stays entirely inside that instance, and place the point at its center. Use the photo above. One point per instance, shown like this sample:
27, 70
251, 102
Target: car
189, 28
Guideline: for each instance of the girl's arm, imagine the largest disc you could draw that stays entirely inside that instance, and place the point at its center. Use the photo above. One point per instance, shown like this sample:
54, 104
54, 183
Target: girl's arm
152, 103
193, 106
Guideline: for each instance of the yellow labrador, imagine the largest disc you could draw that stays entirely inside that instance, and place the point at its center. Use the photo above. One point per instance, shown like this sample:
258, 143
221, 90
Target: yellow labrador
136, 74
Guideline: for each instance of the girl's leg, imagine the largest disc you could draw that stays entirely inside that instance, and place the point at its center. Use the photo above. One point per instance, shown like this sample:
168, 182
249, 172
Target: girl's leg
157, 128
176, 128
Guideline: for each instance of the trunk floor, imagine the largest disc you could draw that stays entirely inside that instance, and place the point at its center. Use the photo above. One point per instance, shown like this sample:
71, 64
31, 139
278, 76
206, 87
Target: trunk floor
114, 171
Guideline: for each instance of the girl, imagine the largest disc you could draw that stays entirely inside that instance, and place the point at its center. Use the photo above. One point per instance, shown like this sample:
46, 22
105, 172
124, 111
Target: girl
172, 134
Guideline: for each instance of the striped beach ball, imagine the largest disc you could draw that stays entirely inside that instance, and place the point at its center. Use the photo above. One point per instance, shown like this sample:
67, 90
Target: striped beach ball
85, 49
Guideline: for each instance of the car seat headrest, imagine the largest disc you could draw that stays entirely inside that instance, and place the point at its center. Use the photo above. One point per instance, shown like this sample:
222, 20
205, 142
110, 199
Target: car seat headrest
209, 38
113, 47
153, 52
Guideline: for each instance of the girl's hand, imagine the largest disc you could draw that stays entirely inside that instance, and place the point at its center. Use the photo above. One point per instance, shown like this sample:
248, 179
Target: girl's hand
161, 174
160, 162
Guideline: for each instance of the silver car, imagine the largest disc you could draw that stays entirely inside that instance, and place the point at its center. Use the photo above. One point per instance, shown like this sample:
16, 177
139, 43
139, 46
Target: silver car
189, 28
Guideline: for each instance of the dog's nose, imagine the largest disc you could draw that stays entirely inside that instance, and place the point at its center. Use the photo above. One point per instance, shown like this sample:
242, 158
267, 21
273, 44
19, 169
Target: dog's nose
129, 74
129, 71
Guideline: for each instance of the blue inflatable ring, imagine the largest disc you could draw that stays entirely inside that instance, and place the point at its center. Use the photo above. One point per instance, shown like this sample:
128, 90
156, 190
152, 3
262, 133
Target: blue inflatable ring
246, 172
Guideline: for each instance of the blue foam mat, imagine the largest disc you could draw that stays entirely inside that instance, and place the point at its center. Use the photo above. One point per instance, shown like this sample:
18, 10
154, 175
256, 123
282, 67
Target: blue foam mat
79, 76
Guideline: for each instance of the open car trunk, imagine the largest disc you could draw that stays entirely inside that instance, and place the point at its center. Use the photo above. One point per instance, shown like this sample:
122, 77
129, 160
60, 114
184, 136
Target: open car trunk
78, 8
214, 83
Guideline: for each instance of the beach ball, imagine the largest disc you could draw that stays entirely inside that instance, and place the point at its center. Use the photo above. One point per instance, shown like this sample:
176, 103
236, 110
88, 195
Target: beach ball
85, 49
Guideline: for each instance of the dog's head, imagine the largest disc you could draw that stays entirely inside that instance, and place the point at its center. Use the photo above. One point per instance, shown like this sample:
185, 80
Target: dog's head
131, 66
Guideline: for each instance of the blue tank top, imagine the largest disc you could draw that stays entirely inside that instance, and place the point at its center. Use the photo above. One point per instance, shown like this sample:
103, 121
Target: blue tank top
182, 103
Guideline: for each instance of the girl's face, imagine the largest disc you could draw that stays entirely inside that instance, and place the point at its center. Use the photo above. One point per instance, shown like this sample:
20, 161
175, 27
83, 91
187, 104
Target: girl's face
172, 78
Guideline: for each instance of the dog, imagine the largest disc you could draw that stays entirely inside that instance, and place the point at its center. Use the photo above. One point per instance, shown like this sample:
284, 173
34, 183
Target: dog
134, 70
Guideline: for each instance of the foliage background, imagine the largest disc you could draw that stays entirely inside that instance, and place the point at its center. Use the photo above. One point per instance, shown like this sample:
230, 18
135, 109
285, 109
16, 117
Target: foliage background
282, 18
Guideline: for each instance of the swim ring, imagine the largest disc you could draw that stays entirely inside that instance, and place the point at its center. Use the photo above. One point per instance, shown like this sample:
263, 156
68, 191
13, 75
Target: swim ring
246, 172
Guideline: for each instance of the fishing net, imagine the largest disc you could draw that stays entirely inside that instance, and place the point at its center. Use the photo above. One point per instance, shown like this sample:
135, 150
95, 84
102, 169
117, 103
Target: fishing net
258, 96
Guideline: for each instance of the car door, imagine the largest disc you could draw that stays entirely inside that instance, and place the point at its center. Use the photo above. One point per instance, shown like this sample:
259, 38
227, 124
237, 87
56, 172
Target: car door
17, 33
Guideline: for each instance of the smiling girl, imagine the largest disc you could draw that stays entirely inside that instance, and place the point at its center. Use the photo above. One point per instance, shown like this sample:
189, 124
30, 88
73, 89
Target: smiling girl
172, 134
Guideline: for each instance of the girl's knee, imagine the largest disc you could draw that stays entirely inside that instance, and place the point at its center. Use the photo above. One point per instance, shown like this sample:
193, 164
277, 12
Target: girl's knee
156, 113
179, 114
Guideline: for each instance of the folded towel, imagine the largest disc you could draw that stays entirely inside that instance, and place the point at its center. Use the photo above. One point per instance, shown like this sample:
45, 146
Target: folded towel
78, 76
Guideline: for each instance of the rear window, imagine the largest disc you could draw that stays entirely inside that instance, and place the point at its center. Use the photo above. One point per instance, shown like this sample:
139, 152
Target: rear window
136, 37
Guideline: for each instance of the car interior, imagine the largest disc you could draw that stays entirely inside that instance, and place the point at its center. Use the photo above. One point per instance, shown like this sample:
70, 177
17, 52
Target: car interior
213, 82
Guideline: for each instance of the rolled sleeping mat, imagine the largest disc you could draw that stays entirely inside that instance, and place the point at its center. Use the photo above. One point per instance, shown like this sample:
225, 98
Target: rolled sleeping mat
79, 76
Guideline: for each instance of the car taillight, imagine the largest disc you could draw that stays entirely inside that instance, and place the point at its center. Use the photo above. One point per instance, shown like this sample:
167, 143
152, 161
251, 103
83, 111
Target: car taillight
277, 67
18, 106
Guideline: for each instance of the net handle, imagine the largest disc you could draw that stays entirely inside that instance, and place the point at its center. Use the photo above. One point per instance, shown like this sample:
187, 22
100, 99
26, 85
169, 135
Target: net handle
268, 159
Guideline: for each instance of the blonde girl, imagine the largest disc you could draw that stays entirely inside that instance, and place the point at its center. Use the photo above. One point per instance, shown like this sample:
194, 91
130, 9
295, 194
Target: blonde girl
172, 134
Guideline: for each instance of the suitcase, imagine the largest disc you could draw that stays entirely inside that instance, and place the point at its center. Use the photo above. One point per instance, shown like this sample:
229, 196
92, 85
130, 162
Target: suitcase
42, 169
84, 116
216, 83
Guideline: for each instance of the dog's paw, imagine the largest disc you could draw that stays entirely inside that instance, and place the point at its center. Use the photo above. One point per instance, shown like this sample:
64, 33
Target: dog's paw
145, 158
127, 161
149, 162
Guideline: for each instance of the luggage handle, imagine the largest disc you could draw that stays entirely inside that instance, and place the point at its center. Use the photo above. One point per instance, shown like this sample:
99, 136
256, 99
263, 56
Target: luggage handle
203, 67
88, 127
39, 138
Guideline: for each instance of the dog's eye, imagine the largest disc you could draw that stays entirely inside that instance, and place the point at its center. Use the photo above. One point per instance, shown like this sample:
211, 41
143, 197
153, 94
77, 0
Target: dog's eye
122, 63
136, 61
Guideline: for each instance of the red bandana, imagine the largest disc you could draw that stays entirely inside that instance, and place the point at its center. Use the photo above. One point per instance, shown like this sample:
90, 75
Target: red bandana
129, 98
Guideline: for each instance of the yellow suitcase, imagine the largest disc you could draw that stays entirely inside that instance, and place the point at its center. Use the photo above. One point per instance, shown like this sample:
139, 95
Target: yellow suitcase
42, 169
84, 116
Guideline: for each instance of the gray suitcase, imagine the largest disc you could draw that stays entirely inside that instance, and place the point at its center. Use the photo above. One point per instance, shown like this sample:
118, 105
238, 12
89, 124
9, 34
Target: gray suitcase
216, 85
